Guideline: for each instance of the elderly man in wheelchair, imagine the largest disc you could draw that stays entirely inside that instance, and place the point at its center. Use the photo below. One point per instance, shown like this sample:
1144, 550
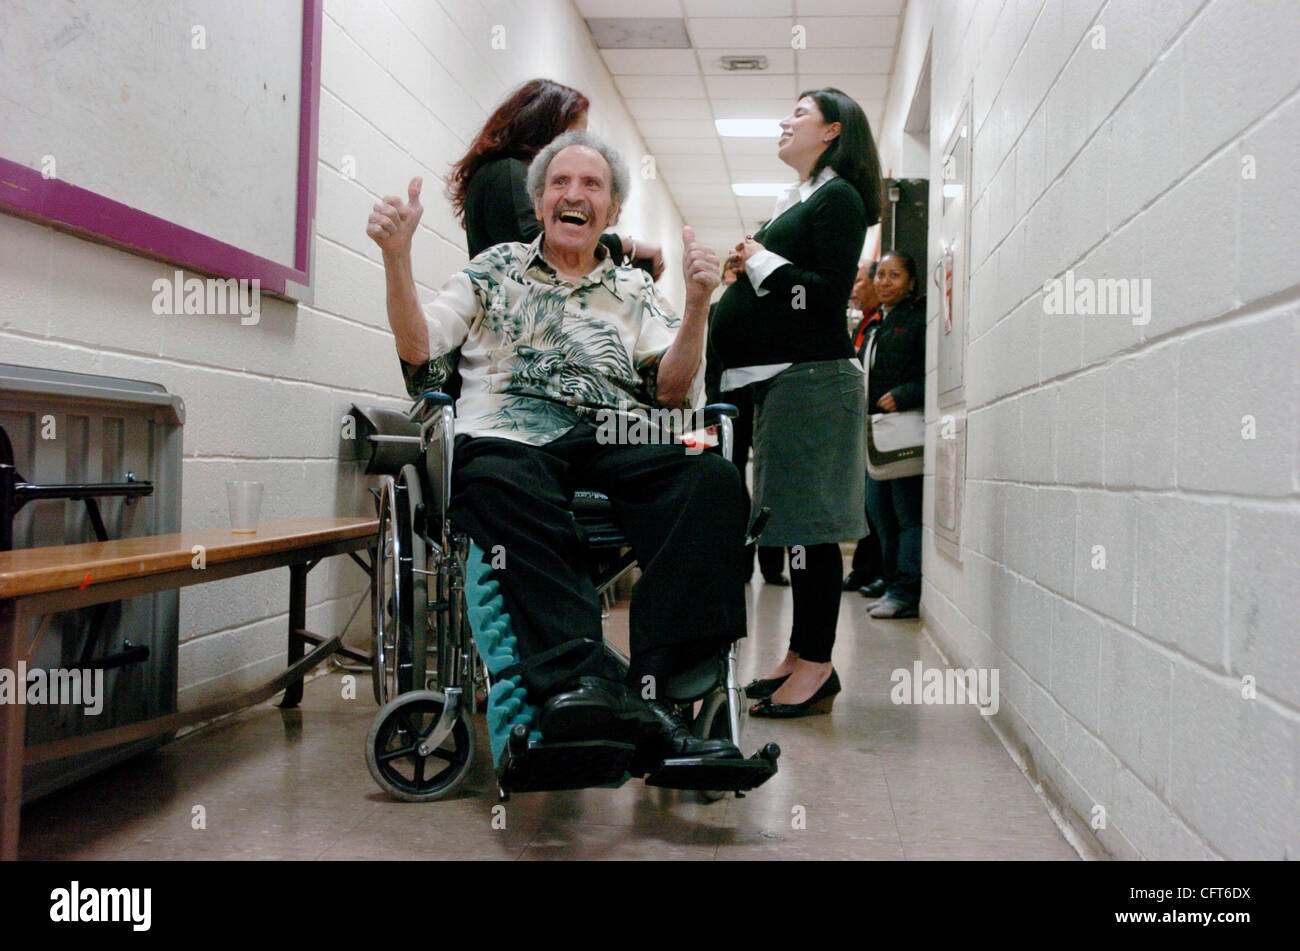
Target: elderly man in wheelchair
551, 342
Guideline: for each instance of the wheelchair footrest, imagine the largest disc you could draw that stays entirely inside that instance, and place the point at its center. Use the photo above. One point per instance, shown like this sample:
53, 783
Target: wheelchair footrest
735, 775
532, 766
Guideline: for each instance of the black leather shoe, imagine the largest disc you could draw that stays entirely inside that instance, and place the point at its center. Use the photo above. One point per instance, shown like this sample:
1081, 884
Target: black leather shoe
593, 708
819, 702
670, 738
781, 581
762, 689
874, 590
853, 581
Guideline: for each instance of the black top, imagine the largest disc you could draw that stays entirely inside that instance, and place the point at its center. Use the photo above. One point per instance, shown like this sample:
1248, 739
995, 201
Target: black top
498, 208
900, 357
801, 318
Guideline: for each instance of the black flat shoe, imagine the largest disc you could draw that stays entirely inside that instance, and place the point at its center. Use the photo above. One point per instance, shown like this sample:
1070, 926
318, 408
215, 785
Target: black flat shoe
819, 702
762, 689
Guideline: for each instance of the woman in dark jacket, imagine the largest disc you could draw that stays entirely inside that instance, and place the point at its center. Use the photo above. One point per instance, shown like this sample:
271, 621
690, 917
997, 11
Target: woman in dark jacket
488, 186
896, 382
780, 328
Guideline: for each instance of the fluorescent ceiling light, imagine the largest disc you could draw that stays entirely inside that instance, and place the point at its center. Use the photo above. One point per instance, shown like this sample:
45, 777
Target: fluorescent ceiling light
749, 128
760, 189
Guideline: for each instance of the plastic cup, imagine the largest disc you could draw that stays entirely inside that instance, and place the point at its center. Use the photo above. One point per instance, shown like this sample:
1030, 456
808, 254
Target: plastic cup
245, 505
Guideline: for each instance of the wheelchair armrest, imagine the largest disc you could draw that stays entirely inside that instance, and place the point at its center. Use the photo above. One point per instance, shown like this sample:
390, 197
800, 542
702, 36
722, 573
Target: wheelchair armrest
425, 403
715, 412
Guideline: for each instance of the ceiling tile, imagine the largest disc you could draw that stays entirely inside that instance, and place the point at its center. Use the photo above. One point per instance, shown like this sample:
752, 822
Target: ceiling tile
724, 32
738, 146
836, 8
712, 210
670, 109
732, 8
830, 32
699, 175
629, 8
873, 60
639, 33
677, 128
751, 86
671, 162
713, 194
752, 108
756, 207
651, 62
779, 59
674, 145
768, 166
671, 87
861, 88
714, 223
695, 176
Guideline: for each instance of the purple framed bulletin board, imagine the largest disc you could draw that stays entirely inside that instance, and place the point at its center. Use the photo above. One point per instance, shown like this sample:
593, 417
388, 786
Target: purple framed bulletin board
27, 193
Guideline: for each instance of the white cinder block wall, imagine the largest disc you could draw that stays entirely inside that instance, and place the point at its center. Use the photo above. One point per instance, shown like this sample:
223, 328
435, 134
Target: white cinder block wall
405, 84
1171, 154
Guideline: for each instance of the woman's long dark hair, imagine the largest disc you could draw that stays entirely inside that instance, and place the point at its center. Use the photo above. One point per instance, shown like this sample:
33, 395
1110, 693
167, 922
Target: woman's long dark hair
852, 153
529, 119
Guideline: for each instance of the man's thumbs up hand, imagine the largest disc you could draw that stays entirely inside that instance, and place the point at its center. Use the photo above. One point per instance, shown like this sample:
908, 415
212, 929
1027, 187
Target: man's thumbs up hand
700, 269
393, 222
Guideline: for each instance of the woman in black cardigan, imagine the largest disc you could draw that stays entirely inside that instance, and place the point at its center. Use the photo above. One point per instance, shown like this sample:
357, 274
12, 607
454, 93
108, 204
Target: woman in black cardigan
896, 381
780, 328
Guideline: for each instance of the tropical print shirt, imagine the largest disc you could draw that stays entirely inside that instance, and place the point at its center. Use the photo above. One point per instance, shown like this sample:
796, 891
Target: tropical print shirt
537, 354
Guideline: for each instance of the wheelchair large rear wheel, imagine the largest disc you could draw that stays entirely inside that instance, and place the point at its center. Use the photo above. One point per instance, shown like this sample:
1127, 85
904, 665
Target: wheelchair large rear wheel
392, 593
403, 761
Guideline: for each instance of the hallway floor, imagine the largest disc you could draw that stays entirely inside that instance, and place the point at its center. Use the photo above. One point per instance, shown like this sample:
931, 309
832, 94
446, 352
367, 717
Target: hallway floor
873, 780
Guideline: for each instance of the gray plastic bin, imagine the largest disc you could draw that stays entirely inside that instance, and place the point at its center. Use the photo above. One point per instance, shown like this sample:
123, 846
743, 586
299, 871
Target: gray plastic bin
75, 428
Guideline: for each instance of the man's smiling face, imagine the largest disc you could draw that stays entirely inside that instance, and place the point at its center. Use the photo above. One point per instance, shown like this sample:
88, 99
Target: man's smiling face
576, 205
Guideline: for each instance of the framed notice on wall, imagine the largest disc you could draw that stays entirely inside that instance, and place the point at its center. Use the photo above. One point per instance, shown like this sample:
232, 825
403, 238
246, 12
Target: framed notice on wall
952, 270
184, 131
949, 482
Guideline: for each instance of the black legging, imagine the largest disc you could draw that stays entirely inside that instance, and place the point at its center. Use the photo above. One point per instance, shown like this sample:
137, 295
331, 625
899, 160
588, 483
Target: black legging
816, 589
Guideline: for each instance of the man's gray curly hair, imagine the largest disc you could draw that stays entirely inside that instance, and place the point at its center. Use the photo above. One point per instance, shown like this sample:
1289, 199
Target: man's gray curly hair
620, 179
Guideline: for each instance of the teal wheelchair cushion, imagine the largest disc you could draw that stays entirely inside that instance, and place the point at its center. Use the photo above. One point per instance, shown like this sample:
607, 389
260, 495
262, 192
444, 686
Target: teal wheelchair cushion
490, 622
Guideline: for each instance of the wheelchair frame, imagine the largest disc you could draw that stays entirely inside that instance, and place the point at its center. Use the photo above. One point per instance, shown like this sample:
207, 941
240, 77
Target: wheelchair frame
418, 612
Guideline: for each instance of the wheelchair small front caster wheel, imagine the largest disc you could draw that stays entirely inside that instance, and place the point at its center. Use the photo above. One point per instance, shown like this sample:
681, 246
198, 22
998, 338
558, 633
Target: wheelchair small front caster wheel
407, 758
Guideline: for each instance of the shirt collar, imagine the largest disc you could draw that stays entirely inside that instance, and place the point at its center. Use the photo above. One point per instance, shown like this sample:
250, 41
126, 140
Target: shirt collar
801, 192
605, 273
806, 188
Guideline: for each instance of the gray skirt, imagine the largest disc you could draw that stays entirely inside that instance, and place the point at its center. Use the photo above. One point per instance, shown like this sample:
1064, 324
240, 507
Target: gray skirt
810, 453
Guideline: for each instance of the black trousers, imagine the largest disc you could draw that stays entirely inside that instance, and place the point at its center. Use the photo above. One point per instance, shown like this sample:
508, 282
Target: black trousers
867, 561
771, 561
684, 516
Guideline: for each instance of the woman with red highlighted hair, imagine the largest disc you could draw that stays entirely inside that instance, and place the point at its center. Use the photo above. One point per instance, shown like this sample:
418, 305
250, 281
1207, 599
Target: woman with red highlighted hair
488, 186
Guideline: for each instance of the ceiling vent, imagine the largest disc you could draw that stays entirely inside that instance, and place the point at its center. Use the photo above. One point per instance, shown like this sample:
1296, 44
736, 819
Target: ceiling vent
744, 63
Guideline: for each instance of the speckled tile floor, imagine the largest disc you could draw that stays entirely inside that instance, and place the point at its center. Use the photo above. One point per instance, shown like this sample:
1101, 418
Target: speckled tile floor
871, 781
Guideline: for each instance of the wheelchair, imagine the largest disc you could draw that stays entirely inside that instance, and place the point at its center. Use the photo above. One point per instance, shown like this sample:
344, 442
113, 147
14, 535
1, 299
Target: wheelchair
442, 647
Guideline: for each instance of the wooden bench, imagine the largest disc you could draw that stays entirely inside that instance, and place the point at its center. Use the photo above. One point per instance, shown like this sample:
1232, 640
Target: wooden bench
38, 581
